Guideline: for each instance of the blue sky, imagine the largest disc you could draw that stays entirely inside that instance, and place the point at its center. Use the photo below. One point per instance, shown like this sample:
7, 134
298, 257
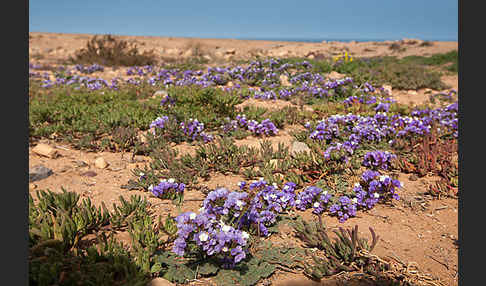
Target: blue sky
262, 19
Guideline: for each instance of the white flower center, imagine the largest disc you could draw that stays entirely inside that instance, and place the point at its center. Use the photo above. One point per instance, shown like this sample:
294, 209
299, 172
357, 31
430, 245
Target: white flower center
355, 200
171, 180
225, 249
226, 228
245, 235
376, 195
203, 236
192, 216
316, 204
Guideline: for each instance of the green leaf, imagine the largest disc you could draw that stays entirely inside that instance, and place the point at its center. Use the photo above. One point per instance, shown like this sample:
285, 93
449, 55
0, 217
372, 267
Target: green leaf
207, 268
156, 268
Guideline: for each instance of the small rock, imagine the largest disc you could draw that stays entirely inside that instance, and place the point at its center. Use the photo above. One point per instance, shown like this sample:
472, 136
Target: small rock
173, 51
412, 92
413, 177
284, 80
187, 54
79, 163
89, 174
207, 57
32, 186
100, 163
161, 93
298, 147
388, 89
230, 84
142, 136
39, 172
45, 150
230, 51
160, 282
311, 56
282, 53
64, 169
335, 75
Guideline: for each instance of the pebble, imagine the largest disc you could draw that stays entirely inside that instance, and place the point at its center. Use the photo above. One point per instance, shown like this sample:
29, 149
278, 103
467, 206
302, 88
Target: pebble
298, 147
45, 150
160, 282
39, 172
89, 174
100, 163
161, 93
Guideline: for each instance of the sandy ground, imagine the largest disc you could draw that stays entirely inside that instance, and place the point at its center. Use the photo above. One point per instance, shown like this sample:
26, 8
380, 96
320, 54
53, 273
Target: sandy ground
416, 229
58, 46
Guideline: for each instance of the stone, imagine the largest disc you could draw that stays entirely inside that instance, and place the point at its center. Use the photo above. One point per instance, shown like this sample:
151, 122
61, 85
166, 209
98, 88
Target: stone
413, 177
335, 75
173, 52
282, 53
230, 51
412, 92
207, 57
161, 93
187, 54
160, 282
100, 163
45, 150
79, 163
284, 80
142, 136
89, 174
388, 89
298, 147
32, 186
219, 54
39, 172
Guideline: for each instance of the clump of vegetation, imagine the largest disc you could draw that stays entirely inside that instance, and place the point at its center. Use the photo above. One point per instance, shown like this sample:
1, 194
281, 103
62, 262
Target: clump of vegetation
72, 240
400, 75
108, 50
396, 47
342, 254
427, 44
83, 118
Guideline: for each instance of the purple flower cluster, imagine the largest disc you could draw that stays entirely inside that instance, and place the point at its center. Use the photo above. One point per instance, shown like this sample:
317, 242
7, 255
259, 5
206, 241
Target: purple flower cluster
211, 236
141, 71
194, 129
313, 197
261, 73
325, 131
339, 152
344, 208
356, 129
167, 189
159, 122
89, 69
265, 127
375, 187
378, 159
